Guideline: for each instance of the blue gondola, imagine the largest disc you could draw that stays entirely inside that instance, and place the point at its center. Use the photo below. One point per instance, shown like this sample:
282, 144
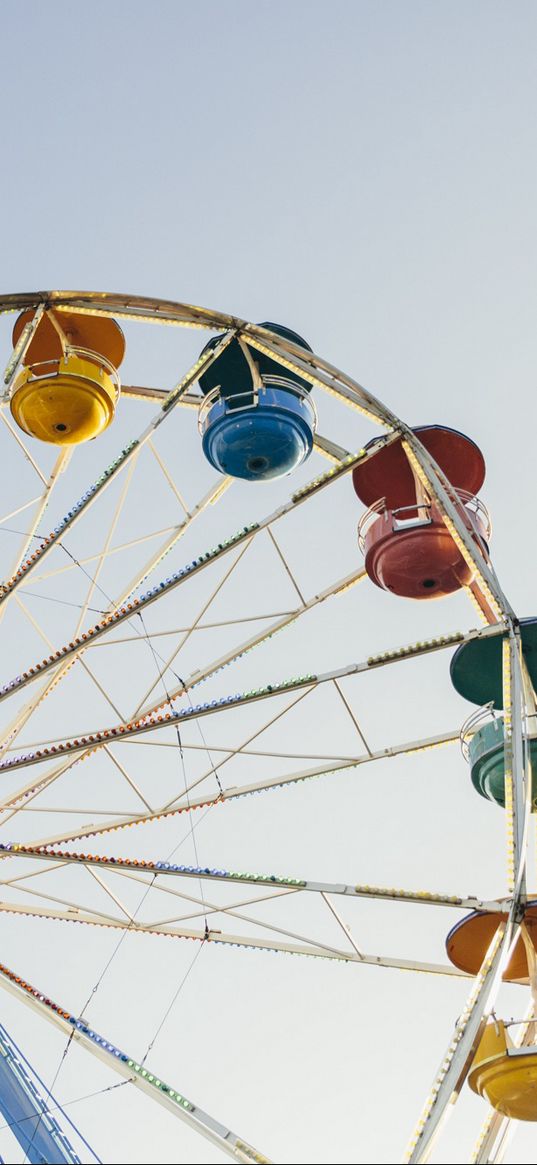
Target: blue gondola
255, 432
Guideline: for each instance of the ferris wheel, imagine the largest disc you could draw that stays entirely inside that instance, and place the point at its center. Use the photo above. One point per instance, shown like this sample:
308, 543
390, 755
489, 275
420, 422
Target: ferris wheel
163, 697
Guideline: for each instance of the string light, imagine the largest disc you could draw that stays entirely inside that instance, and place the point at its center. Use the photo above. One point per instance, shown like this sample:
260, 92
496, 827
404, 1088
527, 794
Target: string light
58, 530
152, 720
332, 390
416, 648
457, 1037
134, 316
126, 611
81, 1026
335, 471
508, 754
194, 871
410, 895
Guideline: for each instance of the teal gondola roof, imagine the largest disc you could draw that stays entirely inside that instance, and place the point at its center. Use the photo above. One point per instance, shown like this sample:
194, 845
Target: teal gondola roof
476, 667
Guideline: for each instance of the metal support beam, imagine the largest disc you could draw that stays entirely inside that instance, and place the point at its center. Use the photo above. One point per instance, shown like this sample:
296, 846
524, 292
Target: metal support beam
137, 1075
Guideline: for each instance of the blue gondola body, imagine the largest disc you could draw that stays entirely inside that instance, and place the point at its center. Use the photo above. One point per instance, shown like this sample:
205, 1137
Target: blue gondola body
255, 432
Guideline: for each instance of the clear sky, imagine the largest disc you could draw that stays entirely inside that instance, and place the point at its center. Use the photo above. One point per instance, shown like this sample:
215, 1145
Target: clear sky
365, 173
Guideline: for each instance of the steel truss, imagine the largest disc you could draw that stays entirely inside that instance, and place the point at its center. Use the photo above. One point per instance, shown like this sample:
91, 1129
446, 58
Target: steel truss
26, 865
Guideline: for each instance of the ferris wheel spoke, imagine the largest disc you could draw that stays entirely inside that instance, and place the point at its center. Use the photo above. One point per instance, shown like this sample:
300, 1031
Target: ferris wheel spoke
21, 799
106, 695
286, 620
286, 567
86, 560
118, 509
236, 791
212, 496
329, 449
107, 890
201, 563
198, 676
17, 878
423, 647
223, 938
116, 614
33, 790
351, 716
279, 883
43, 501
79, 508
26, 452
227, 752
74, 911
132, 783
205, 909
20, 509
169, 477
69, 810
61, 662
94, 581
155, 723
127, 732
21, 348
36, 625
148, 1082
145, 392
164, 665
168, 926
344, 925
200, 626
149, 724
235, 752
165, 928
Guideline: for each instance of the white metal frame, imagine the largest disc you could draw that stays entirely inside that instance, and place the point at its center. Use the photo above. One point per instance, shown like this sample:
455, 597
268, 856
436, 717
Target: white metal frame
43, 854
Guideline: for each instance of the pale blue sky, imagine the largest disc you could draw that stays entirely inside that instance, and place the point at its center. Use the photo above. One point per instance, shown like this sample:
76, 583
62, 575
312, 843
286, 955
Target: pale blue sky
366, 173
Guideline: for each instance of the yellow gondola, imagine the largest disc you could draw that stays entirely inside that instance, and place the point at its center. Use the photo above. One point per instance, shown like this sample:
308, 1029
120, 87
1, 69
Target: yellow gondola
67, 388
504, 1075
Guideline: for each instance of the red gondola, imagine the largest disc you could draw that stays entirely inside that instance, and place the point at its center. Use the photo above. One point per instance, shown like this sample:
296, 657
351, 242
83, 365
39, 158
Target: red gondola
407, 546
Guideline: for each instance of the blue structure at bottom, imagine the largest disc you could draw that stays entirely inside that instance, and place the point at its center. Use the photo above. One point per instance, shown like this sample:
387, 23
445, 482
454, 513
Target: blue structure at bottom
27, 1113
261, 440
